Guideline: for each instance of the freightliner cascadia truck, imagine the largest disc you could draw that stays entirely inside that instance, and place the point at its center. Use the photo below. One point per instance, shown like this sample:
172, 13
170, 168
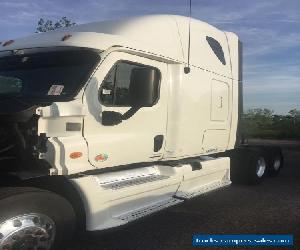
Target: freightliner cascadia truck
108, 122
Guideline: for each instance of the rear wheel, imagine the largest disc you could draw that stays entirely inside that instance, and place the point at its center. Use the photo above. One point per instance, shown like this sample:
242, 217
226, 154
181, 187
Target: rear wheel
34, 219
256, 168
260, 166
275, 162
248, 166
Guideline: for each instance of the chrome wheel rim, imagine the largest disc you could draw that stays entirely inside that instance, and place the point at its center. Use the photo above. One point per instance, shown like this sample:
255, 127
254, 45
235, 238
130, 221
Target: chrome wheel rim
27, 231
260, 167
277, 163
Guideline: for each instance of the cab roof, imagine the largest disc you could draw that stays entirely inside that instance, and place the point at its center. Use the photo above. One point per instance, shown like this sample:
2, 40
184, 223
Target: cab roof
157, 34
164, 36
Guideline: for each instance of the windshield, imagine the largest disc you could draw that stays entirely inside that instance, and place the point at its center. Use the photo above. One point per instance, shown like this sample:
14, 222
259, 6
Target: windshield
54, 75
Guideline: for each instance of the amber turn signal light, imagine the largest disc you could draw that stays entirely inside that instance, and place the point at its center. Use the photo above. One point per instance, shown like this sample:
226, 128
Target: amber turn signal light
66, 37
75, 155
7, 43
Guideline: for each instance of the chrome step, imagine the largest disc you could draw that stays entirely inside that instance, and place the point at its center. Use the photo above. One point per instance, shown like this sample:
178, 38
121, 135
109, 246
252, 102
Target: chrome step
128, 178
133, 215
133, 182
203, 190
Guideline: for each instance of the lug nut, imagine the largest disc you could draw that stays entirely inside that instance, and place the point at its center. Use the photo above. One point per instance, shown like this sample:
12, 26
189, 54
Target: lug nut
17, 223
35, 220
15, 237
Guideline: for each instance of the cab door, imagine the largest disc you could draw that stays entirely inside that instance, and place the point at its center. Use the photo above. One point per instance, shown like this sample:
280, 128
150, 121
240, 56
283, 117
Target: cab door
140, 135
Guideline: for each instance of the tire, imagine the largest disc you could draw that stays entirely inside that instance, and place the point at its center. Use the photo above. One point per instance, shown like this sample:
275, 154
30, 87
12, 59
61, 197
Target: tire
32, 218
275, 162
248, 166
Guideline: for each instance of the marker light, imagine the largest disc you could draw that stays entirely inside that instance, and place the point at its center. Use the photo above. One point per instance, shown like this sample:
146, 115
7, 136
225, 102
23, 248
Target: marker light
75, 155
66, 37
18, 52
7, 43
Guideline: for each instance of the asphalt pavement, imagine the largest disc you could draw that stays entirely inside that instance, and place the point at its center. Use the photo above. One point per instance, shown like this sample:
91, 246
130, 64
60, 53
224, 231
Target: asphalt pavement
272, 207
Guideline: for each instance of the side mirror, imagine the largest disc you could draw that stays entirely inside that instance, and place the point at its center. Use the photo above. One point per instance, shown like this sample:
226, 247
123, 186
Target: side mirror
111, 118
144, 87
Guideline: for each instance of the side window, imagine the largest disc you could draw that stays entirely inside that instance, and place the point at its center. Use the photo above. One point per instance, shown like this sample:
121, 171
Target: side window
115, 88
107, 88
216, 48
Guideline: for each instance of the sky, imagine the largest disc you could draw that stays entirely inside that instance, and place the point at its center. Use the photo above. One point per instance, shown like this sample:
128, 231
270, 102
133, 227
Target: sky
269, 30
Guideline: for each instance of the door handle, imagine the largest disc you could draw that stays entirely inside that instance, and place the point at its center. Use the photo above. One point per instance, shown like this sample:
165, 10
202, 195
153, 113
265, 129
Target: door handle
158, 142
221, 102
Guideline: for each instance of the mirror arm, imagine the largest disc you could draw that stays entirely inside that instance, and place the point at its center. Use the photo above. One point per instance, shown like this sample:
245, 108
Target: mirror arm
130, 113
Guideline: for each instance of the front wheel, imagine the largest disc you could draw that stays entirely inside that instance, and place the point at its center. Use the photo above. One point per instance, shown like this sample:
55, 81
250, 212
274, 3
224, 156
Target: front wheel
34, 219
248, 166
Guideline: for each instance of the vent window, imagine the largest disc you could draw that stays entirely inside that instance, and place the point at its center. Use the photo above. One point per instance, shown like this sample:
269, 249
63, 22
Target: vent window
216, 48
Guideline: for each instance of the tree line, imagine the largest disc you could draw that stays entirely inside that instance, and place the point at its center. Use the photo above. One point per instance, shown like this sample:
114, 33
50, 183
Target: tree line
50, 25
265, 124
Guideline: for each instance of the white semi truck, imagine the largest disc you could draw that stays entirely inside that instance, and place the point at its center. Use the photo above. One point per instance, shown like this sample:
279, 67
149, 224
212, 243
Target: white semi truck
107, 122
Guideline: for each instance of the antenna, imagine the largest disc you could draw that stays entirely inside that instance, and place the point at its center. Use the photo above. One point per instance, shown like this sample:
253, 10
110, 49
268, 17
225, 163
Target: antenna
188, 69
